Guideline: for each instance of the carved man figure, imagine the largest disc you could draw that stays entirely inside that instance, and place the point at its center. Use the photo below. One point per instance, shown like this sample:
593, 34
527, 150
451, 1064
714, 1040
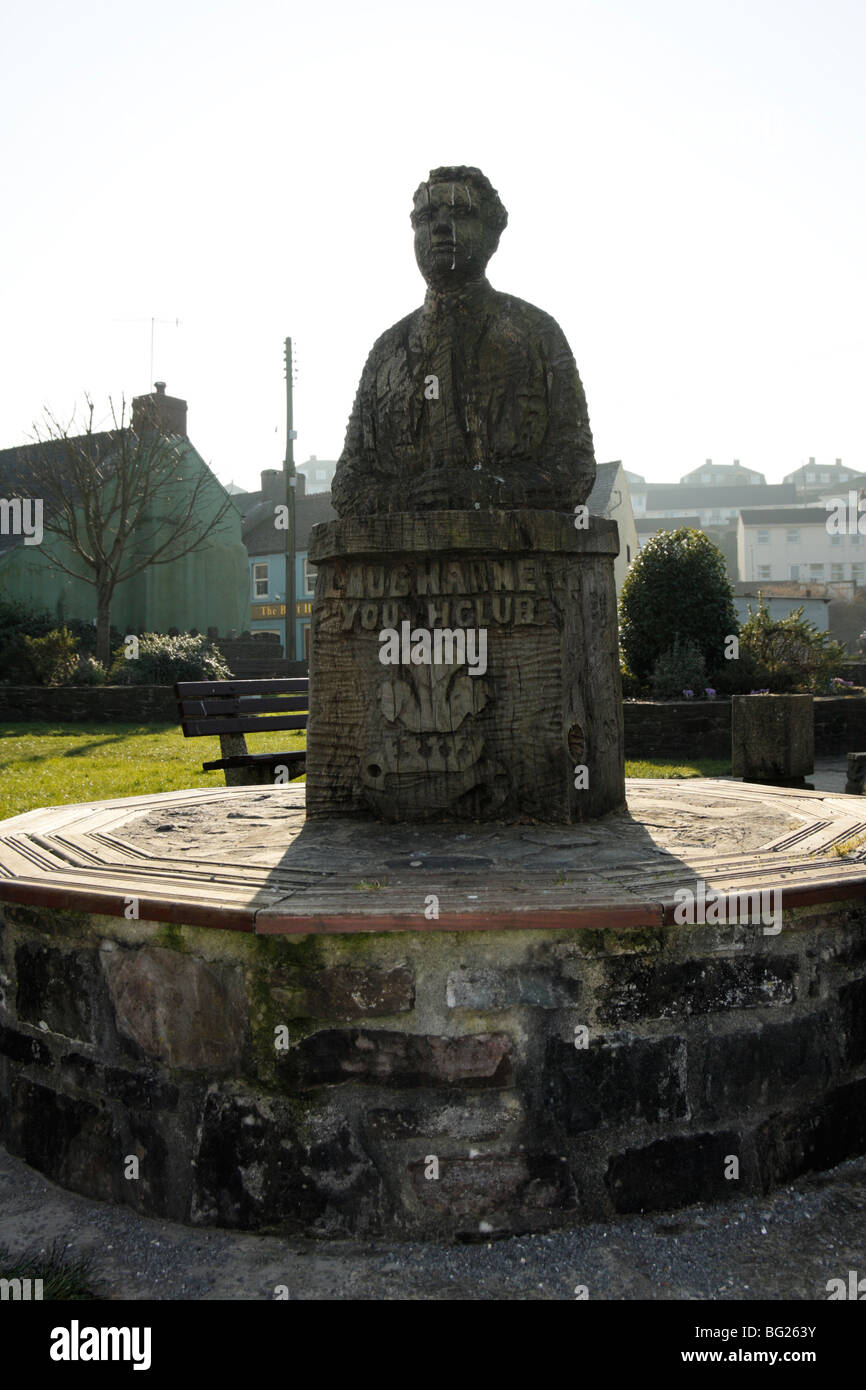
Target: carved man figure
473, 400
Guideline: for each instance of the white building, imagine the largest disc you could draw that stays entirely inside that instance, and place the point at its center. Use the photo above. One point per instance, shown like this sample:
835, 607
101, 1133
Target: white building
318, 473
795, 543
723, 475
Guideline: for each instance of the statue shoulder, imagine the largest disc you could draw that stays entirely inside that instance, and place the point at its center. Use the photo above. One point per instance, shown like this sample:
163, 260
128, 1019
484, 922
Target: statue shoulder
530, 320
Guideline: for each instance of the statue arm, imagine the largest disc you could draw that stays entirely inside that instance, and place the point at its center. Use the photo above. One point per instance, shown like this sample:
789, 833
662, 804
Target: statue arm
568, 447
355, 482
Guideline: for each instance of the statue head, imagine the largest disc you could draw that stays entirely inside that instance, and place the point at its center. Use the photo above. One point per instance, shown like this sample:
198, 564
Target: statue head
458, 219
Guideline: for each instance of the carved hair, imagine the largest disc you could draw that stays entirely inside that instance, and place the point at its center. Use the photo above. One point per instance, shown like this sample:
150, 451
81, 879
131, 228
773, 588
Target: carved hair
493, 210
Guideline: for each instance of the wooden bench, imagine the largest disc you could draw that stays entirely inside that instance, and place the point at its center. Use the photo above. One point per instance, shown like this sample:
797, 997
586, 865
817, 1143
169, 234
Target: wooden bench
230, 709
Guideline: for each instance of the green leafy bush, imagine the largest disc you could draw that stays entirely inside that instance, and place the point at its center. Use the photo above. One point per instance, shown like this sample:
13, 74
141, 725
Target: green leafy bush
53, 658
680, 668
89, 671
164, 660
677, 589
791, 651
17, 621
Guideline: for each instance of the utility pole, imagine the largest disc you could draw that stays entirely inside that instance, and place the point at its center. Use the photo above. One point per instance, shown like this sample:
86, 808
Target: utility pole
291, 482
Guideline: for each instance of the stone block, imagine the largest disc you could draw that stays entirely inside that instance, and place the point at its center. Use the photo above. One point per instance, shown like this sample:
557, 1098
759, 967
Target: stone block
479, 1116
672, 1173
73, 1141
347, 992
772, 738
23, 1048
506, 1190
852, 1003
63, 988
634, 989
749, 1070
814, 1137
177, 1008
252, 1168
615, 1079
486, 988
856, 774
383, 1058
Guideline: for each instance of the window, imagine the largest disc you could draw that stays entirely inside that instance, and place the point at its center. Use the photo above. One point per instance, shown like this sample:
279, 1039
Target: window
763, 538
816, 571
837, 572
792, 537
857, 573
763, 571
835, 540
810, 477
855, 539
795, 571
320, 475
309, 576
260, 581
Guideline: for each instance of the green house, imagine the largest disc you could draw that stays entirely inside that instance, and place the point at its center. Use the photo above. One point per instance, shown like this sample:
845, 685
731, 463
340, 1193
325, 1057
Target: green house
206, 588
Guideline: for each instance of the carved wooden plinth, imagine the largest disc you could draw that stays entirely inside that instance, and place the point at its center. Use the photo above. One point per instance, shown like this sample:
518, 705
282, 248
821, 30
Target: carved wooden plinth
529, 724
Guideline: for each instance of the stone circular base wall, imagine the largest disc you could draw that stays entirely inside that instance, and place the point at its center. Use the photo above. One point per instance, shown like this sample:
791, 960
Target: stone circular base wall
454, 1085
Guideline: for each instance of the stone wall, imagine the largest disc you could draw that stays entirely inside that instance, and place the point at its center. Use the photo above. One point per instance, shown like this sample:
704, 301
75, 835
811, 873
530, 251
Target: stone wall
653, 729
427, 1082
97, 704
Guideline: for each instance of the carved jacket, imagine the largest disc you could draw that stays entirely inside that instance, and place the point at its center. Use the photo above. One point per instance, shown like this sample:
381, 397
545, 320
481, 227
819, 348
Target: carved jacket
474, 399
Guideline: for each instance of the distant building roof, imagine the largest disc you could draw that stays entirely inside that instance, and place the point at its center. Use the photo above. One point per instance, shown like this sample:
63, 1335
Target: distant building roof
600, 500
784, 516
661, 496
261, 537
666, 523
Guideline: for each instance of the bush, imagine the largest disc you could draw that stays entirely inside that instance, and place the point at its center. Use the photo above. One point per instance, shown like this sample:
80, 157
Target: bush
18, 622
164, 660
89, 671
680, 668
52, 659
790, 650
677, 589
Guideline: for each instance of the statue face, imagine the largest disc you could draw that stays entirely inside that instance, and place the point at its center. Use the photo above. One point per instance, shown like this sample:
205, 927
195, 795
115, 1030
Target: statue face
452, 241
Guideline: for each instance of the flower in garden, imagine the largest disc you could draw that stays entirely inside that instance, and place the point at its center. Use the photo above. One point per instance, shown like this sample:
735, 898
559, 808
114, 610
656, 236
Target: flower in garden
709, 692
689, 694
766, 691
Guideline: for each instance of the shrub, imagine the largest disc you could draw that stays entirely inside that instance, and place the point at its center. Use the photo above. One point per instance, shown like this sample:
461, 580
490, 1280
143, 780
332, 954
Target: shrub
678, 669
89, 671
164, 660
53, 658
790, 650
677, 589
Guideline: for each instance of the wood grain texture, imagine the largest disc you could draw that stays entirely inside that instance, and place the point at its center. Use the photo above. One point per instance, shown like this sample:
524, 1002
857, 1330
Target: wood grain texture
427, 741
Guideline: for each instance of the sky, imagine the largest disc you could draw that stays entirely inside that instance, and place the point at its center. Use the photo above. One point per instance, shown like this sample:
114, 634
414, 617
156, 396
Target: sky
684, 181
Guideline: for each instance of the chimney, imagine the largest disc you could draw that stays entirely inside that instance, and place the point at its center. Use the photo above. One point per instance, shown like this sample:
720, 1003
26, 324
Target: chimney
273, 488
166, 414
811, 463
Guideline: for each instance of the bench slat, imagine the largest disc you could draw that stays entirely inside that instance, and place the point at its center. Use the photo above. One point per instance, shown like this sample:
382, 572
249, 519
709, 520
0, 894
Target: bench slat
203, 728
246, 704
256, 760
196, 690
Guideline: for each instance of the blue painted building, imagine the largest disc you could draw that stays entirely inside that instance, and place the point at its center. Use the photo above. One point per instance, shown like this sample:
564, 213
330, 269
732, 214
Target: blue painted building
266, 548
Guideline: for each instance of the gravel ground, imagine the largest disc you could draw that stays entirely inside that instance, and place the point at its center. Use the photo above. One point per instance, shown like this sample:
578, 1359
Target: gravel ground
785, 1246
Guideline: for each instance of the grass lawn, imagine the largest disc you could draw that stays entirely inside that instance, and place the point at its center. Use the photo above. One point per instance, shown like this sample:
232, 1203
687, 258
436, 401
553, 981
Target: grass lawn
50, 764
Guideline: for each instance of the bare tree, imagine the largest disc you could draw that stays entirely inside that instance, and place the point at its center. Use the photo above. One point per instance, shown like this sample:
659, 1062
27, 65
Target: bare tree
120, 499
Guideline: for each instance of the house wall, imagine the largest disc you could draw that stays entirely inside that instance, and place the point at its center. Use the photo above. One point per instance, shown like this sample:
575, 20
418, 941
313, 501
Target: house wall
200, 590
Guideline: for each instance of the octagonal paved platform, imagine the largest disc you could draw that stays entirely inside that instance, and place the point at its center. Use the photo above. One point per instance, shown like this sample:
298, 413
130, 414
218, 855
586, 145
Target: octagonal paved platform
247, 859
